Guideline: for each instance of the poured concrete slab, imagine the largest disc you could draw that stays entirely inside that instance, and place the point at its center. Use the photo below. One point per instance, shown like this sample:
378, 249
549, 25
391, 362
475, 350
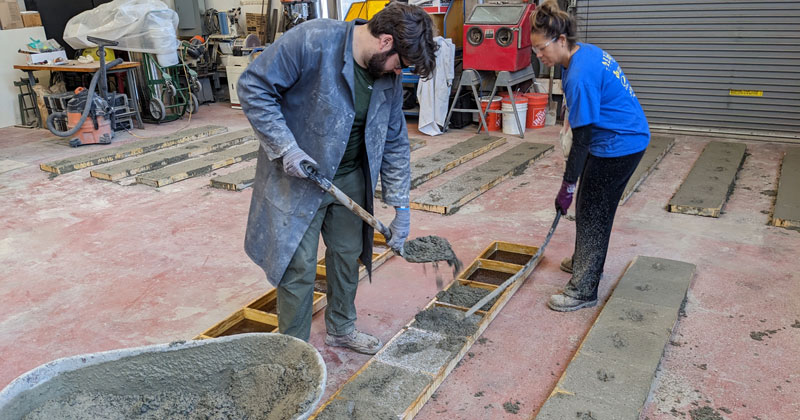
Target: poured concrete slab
110, 154
450, 196
787, 202
611, 374
158, 159
202, 165
434, 165
658, 148
707, 187
235, 181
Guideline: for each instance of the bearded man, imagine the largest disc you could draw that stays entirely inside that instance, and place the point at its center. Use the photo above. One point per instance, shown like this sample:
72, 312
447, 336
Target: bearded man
329, 94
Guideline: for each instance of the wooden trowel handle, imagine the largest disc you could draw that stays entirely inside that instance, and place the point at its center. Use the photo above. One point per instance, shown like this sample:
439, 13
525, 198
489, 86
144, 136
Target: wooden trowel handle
346, 201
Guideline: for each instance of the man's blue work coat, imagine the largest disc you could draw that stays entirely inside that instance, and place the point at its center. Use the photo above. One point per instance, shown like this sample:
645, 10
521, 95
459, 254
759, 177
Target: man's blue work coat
300, 90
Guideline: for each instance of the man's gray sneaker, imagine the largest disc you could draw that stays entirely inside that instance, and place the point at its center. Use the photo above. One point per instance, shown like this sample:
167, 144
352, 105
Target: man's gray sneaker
564, 303
566, 265
356, 341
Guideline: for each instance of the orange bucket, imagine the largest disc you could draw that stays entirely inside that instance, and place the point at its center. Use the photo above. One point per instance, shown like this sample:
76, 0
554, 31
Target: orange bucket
492, 119
537, 110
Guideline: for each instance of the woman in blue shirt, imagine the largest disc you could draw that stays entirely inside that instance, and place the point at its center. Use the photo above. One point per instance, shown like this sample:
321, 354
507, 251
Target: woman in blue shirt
609, 136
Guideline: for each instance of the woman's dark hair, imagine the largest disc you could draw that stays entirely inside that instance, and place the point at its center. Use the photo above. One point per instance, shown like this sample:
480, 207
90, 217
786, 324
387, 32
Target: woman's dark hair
412, 33
548, 19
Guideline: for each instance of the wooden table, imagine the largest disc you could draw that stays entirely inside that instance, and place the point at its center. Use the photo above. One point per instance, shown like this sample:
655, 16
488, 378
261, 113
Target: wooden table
74, 66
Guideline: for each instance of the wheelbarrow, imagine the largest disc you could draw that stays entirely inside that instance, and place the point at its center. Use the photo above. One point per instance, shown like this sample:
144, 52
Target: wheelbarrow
257, 376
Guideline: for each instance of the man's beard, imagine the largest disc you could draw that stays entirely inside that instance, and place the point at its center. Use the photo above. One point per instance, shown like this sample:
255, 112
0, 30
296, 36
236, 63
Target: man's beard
377, 62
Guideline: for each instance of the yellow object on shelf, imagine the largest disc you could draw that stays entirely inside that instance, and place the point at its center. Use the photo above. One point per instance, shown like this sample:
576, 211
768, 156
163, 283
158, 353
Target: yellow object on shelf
110, 56
365, 9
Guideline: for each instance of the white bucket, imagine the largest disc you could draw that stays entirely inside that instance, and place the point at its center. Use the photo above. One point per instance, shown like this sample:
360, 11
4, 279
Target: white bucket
509, 122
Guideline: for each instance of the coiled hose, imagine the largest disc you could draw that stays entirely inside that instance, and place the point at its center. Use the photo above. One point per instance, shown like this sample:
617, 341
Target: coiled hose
50, 119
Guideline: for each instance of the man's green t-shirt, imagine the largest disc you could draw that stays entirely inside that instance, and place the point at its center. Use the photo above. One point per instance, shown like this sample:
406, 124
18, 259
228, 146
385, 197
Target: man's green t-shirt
355, 145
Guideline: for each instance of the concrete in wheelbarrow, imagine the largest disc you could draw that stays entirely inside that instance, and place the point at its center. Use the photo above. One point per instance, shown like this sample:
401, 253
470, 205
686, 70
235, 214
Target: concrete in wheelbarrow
269, 376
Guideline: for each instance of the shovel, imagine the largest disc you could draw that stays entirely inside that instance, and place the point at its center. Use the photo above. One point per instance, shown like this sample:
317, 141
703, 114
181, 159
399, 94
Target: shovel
519, 274
430, 249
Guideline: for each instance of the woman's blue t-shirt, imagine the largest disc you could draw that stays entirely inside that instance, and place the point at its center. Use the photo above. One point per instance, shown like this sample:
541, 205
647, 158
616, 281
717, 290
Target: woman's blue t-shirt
598, 93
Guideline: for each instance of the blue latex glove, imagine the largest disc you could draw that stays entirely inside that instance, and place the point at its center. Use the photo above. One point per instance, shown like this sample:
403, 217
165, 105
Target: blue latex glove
564, 197
293, 160
400, 227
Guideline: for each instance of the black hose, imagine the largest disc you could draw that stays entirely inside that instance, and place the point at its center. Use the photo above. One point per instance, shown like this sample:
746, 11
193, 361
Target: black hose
86, 109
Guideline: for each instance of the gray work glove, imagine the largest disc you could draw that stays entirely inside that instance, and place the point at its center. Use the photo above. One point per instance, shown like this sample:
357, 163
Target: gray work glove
293, 161
400, 227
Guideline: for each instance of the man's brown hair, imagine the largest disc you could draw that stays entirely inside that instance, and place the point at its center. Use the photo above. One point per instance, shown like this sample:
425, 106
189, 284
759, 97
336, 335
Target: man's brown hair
412, 33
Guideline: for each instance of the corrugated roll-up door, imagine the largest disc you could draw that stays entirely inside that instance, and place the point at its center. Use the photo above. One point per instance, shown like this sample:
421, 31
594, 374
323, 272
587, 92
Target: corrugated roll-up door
724, 66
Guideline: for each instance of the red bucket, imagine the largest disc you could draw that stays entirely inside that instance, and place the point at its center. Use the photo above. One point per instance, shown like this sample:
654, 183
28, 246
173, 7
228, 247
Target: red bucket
537, 110
492, 119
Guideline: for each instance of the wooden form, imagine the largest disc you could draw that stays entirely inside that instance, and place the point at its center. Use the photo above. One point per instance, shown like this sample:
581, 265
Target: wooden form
261, 314
658, 148
435, 369
131, 149
787, 202
158, 159
450, 196
707, 187
612, 371
438, 163
235, 181
199, 166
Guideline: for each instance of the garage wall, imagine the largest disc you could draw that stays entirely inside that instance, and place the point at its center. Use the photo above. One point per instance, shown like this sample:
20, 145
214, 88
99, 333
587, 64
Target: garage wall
708, 65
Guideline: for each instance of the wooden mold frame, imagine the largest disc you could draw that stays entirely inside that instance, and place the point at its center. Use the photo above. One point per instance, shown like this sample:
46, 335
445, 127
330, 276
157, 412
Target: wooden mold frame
261, 315
494, 258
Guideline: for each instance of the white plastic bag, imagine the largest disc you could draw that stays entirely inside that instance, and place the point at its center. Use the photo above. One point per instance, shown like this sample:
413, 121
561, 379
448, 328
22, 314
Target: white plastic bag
147, 26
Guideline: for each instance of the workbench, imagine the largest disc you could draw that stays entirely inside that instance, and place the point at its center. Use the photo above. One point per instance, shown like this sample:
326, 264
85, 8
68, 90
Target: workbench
126, 67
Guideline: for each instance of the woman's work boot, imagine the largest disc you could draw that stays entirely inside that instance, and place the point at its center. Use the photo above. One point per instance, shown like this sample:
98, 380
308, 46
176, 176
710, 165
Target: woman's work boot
566, 265
564, 303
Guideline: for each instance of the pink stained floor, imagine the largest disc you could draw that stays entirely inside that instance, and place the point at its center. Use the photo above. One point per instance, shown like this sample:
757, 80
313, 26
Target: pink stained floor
89, 265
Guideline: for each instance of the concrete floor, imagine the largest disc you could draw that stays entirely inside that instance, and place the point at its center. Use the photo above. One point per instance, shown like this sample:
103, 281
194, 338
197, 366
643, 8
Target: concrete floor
89, 265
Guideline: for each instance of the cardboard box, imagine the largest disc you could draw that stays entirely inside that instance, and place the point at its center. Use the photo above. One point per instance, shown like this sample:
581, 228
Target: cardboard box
49, 57
10, 18
31, 19
256, 23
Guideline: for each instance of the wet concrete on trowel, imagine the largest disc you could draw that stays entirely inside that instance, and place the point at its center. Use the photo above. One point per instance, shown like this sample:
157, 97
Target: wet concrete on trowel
465, 296
447, 321
431, 249
421, 350
380, 391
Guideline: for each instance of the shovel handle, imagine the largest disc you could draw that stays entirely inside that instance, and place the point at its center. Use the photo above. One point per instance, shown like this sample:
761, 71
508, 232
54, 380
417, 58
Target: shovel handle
346, 201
